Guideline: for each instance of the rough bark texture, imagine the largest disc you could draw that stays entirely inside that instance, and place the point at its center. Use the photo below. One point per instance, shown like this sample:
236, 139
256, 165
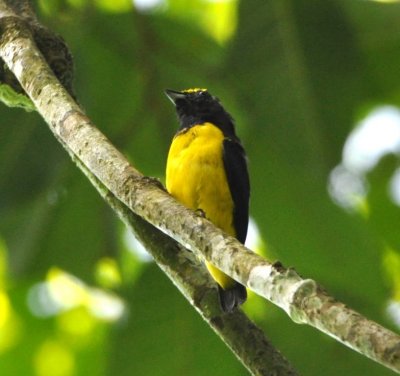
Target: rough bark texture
240, 334
190, 276
19, 16
302, 299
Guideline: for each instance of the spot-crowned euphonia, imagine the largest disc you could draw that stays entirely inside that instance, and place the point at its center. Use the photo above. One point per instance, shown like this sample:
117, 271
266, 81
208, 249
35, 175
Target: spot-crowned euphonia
207, 170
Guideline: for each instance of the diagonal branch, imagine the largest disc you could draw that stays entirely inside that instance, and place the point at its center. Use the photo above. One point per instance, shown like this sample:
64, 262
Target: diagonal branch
302, 299
239, 333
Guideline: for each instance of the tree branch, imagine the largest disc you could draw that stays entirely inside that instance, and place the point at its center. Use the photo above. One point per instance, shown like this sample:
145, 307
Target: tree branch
302, 299
239, 333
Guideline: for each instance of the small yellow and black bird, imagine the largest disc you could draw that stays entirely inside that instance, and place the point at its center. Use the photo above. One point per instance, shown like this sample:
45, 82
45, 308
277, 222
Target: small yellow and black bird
207, 171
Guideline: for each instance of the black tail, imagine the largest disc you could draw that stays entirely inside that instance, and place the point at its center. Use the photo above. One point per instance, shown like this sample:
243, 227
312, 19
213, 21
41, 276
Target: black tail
232, 297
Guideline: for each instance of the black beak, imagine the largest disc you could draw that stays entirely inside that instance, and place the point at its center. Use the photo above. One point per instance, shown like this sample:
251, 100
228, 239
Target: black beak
174, 95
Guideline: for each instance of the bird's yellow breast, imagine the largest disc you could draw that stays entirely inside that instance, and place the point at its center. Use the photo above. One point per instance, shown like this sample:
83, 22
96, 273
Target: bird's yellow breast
196, 175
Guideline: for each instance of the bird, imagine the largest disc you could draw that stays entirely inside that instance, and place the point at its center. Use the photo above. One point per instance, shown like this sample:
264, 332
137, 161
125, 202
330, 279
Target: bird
206, 171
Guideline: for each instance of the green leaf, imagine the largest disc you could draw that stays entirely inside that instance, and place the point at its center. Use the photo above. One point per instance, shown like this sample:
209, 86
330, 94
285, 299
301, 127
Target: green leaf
13, 99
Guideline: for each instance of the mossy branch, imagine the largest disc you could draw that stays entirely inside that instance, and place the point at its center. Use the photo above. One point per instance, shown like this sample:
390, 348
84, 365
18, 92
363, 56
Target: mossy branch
240, 334
123, 186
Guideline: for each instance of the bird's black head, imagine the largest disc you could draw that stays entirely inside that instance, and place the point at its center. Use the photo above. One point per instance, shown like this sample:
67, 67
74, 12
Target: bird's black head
198, 106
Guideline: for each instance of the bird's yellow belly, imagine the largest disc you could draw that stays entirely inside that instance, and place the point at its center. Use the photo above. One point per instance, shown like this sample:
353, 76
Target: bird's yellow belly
196, 177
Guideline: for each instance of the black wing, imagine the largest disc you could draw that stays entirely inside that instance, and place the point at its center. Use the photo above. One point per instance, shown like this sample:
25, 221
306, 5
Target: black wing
238, 180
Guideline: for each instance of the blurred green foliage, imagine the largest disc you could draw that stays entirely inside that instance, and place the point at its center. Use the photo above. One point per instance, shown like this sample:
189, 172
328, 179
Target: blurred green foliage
297, 76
